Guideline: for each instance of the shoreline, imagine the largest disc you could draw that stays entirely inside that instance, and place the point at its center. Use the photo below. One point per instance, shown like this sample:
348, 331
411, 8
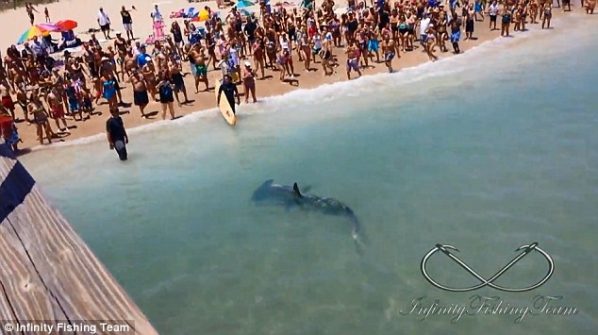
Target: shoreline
205, 102
262, 100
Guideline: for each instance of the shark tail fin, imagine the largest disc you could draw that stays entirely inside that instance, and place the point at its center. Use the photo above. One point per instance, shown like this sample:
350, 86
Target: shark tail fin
297, 191
357, 236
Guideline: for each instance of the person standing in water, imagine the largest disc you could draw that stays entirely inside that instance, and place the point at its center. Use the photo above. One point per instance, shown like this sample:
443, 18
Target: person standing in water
230, 91
116, 134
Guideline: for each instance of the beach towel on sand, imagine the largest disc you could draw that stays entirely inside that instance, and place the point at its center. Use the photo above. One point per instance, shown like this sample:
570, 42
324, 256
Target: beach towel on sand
177, 14
191, 13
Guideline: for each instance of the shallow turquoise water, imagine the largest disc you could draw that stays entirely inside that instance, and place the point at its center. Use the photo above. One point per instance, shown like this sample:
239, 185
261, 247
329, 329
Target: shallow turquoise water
486, 151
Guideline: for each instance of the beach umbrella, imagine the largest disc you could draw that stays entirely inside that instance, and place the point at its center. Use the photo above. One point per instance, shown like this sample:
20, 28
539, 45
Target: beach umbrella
31, 32
66, 25
244, 3
47, 26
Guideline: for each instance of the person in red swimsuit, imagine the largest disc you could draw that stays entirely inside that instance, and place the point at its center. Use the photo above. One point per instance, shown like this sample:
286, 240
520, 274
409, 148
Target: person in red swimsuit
7, 102
8, 131
56, 109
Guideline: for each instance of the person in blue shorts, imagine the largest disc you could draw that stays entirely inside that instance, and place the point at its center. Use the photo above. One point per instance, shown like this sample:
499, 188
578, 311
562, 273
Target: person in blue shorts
455, 32
109, 91
73, 100
479, 9
374, 45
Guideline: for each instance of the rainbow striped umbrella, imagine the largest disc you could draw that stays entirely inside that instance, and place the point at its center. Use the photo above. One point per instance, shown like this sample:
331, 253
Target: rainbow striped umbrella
31, 32
47, 26
62, 25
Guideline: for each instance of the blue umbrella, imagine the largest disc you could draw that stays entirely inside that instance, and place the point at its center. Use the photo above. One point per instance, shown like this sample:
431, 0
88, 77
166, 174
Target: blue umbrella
244, 3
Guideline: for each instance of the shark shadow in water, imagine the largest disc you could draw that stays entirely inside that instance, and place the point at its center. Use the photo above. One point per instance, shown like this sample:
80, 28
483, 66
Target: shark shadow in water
291, 196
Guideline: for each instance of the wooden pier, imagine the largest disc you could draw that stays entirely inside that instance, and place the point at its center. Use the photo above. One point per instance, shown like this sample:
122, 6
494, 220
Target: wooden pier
47, 272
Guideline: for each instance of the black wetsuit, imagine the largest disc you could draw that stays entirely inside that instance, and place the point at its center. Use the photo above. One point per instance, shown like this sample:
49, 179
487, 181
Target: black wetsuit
230, 90
116, 129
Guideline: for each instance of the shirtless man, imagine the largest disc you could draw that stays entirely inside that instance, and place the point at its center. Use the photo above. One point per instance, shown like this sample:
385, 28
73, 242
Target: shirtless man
388, 49
201, 69
55, 102
140, 97
590, 5
130, 63
176, 69
352, 53
120, 44
150, 79
160, 57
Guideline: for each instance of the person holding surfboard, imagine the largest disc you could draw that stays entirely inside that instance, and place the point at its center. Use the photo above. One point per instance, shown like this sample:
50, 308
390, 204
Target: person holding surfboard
230, 91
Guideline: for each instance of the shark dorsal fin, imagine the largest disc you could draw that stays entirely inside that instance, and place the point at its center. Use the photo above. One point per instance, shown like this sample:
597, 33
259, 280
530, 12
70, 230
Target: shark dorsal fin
296, 190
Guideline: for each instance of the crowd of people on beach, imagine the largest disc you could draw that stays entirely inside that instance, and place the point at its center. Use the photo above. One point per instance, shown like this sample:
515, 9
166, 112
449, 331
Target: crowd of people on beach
72, 86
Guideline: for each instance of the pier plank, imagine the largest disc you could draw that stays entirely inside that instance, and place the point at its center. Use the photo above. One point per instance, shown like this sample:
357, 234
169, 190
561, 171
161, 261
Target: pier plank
24, 293
49, 273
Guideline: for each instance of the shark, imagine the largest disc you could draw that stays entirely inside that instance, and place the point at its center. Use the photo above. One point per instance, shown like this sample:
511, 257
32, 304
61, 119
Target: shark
292, 197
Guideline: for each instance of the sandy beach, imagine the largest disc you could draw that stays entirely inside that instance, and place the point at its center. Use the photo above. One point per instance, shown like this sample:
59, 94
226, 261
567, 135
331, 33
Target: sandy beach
84, 12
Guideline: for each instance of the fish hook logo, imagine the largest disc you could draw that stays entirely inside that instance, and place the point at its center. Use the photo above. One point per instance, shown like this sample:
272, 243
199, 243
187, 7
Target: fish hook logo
526, 249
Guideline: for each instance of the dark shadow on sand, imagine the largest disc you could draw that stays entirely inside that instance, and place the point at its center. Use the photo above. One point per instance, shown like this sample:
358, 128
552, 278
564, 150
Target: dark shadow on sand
151, 115
23, 151
292, 82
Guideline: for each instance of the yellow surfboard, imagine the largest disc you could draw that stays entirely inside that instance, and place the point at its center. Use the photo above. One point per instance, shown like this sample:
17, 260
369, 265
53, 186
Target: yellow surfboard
225, 108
